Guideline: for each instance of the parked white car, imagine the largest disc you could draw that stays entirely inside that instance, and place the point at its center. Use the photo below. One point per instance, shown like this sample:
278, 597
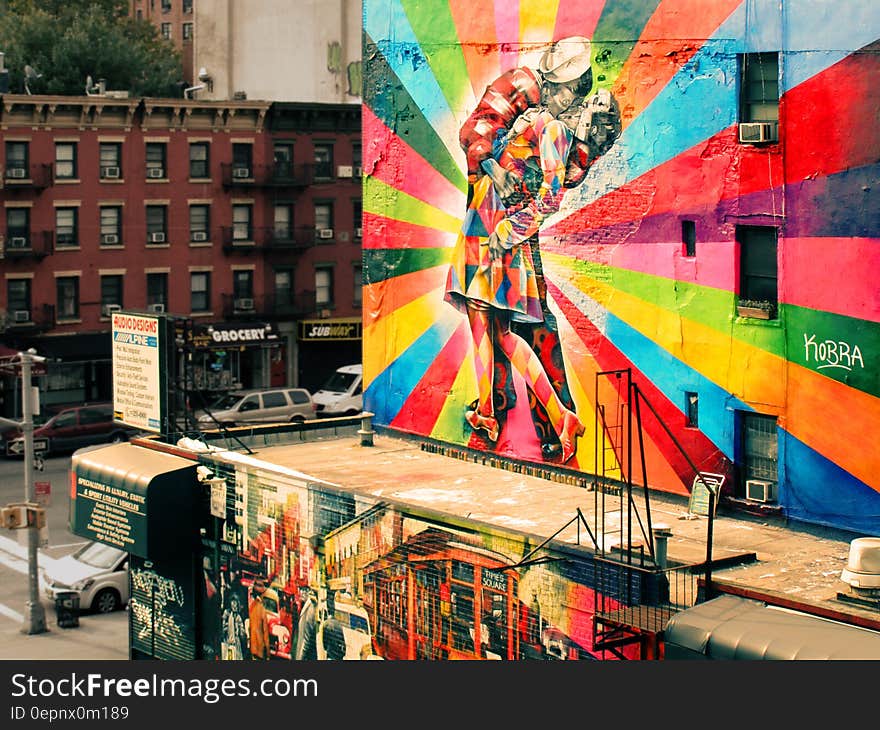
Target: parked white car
274, 405
97, 572
342, 394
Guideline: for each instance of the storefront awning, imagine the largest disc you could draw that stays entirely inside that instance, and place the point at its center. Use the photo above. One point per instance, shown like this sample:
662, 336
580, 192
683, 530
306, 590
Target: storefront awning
135, 498
730, 627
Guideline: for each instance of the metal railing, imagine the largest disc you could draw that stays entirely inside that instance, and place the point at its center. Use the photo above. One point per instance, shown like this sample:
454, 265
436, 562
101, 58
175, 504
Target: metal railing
277, 174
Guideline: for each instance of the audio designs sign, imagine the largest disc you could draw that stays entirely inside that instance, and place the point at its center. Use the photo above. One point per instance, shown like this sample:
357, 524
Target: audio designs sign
137, 375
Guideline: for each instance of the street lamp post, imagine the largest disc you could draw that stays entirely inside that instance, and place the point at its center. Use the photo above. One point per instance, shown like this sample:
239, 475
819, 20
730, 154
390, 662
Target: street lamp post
35, 613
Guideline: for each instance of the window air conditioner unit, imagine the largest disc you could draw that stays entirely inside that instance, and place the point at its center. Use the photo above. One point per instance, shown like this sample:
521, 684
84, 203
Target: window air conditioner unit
199, 236
108, 309
358, 232
344, 171
158, 237
21, 315
156, 308
759, 491
240, 172
18, 242
155, 172
16, 172
110, 172
110, 238
325, 233
244, 304
757, 132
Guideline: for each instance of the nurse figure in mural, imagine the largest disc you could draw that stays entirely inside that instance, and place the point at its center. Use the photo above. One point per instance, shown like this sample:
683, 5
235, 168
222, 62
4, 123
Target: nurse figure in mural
517, 181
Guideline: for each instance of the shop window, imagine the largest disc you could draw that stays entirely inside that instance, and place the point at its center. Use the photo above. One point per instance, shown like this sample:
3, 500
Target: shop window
67, 297
65, 160
66, 227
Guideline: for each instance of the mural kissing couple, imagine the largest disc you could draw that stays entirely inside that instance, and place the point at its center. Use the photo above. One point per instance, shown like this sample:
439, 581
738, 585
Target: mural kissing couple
533, 135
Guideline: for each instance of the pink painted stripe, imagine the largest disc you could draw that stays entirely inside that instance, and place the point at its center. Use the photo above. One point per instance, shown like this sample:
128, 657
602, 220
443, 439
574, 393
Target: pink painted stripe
399, 166
818, 273
576, 17
507, 32
381, 232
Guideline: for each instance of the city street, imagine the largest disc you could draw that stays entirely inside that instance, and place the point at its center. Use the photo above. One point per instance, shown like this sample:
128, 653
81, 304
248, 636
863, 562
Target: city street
61, 542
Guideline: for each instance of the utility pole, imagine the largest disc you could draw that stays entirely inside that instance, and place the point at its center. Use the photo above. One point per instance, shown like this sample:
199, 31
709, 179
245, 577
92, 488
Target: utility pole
35, 614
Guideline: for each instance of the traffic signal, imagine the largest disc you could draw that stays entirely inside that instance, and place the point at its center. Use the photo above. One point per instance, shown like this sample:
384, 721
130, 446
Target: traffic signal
14, 517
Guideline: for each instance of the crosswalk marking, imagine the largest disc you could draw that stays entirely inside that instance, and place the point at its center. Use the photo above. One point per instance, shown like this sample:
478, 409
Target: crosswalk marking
11, 613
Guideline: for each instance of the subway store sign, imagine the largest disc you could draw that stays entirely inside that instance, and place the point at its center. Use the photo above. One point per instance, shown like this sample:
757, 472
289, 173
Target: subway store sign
330, 329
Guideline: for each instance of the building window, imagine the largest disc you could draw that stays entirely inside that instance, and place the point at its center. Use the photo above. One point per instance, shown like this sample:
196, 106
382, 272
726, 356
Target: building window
198, 160
65, 160
140, 14
283, 289
18, 299
242, 159
157, 289
323, 161
282, 229
357, 299
111, 225
241, 222
199, 223
200, 288
324, 221
110, 160
357, 217
166, 6
691, 412
757, 267
759, 101
187, 6
166, 31
18, 228
356, 159
111, 292
67, 297
156, 224
759, 448
155, 160
243, 285
65, 227
17, 165
689, 237
324, 286
187, 31
283, 159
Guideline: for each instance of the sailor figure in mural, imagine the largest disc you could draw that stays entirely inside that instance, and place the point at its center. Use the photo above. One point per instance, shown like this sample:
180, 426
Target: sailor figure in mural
533, 135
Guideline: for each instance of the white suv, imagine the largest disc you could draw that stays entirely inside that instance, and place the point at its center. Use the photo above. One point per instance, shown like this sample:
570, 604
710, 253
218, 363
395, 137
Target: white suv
276, 405
97, 572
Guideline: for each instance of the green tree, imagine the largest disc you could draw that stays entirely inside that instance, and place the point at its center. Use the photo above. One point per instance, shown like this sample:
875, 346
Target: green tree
66, 41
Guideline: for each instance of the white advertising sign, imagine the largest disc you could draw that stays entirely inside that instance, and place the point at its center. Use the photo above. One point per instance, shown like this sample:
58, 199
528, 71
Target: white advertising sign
136, 382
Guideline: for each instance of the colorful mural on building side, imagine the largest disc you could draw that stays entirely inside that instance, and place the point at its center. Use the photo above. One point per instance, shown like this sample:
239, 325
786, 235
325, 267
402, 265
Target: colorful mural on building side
681, 189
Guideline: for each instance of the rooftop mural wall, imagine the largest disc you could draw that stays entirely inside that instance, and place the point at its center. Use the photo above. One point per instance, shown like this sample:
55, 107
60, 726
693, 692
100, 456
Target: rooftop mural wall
685, 189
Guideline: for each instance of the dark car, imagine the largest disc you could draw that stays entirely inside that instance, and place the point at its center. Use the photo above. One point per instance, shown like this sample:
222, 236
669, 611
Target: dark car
72, 428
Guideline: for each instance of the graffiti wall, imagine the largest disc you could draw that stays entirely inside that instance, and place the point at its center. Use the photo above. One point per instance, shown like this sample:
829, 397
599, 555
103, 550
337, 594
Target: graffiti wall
306, 571
683, 190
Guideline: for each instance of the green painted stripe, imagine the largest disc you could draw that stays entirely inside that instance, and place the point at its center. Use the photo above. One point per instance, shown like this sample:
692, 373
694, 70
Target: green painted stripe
433, 26
382, 199
843, 348
387, 98
386, 263
619, 28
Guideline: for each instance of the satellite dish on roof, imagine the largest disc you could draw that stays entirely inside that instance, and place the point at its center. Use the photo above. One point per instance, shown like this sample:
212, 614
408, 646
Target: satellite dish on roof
30, 74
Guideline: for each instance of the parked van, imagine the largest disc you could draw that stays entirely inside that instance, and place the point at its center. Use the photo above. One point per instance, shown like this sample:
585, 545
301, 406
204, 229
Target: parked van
276, 405
342, 394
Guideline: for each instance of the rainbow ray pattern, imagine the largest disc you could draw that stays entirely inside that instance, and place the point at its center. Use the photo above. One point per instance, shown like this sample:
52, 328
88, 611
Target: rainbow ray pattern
619, 283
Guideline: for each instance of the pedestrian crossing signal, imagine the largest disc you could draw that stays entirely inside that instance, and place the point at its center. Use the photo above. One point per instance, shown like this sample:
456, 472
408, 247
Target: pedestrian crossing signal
19, 516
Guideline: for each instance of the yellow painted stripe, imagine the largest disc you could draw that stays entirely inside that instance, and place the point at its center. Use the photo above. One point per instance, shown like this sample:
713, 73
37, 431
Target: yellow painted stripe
537, 20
